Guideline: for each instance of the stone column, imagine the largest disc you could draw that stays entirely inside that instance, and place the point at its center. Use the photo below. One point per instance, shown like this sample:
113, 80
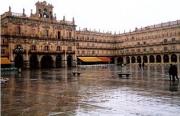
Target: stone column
39, 61
162, 60
130, 59
169, 58
64, 60
74, 60
178, 58
26, 60
148, 59
116, 60
54, 61
124, 60
155, 61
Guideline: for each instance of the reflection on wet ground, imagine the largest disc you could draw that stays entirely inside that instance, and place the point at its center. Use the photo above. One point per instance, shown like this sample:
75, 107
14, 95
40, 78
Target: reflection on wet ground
98, 91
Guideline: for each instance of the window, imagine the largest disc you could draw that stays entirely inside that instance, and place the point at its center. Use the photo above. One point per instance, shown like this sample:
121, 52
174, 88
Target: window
33, 47
59, 34
19, 29
2, 51
151, 49
165, 40
173, 47
58, 48
165, 48
47, 33
70, 34
173, 39
69, 48
46, 48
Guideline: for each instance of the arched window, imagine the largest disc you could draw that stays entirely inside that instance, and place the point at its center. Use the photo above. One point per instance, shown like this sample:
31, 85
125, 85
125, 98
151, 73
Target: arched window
59, 35
33, 47
46, 48
58, 48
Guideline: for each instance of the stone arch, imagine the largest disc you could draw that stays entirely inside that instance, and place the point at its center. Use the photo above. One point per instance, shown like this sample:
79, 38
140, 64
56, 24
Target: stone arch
19, 61
46, 61
120, 59
151, 59
139, 59
158, 59
127, 59
173, 58
58, 61
166, 58
133, 59
33, 61
69, 60
145, 59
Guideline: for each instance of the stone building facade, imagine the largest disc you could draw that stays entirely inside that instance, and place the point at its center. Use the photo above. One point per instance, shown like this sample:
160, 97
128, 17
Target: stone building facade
40, 40
152, 44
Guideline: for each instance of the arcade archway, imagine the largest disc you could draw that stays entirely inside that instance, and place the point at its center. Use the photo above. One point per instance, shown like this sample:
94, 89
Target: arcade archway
58, 61
139, 59
120, 60
145, 59
173, 58
69, 60
166, 58
133, 59
151, 59
127, 60
19, 60
158, 58
46, 62
33, 61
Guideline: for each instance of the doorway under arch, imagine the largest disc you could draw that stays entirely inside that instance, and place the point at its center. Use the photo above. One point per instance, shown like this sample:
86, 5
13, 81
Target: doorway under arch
69, 60
46, 61
145, 59
139, 59
127, 60
151, 59
58, 61
166, 58
158, 59
133, 59
19, 60
173, 58
120, 60
33, 61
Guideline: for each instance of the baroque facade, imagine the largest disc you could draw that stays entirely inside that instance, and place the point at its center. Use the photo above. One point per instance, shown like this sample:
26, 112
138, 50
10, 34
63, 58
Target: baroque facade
40, 40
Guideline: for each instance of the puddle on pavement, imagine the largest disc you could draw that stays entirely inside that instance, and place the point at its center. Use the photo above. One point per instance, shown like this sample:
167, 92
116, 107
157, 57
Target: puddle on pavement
97, 91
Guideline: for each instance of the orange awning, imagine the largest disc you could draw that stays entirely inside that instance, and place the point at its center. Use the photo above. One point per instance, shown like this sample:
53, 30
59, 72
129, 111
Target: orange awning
5, 60
95, 59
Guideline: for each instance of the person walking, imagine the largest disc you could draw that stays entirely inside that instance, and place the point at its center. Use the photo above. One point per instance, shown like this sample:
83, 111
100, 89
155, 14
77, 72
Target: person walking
174, 72
171, 72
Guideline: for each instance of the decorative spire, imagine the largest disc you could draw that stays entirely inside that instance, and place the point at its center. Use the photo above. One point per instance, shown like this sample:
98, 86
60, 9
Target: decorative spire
9, 8
73, 20
23, 11
31, 11
55, 15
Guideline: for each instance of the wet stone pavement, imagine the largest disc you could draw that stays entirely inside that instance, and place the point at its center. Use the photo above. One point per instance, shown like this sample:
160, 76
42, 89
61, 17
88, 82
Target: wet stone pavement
98, 91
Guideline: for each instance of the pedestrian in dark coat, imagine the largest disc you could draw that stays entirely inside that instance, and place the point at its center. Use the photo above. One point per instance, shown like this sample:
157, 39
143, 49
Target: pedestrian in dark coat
170, 72
174, 72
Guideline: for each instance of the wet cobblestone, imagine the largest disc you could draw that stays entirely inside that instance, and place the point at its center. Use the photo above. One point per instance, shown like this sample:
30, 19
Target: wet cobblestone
98, 91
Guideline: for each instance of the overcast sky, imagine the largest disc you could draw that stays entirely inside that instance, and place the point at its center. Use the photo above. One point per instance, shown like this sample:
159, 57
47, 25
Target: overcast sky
107, 15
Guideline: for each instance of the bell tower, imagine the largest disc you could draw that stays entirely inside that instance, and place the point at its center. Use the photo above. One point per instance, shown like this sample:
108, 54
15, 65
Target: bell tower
44, 10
